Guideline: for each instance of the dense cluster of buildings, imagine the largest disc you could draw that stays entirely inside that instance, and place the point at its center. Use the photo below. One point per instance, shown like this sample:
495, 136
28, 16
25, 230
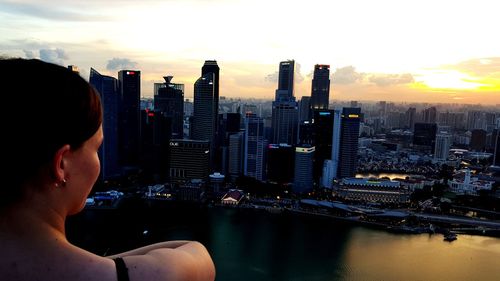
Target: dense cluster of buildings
303, 144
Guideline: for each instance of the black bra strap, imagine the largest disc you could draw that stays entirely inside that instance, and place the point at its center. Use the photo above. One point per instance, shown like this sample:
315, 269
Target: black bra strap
121, 269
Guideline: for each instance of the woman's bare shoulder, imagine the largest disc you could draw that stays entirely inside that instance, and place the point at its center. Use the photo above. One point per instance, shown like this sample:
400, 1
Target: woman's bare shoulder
18, 262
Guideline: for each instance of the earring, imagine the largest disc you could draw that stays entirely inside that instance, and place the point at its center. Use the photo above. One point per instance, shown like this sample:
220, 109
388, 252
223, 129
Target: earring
63, 182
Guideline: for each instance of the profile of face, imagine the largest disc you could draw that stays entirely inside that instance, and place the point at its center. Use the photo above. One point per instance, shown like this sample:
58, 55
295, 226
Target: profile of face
83, 170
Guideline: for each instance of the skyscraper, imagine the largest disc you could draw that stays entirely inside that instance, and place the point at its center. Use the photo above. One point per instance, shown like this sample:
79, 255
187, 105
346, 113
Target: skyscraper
286, 81
285, 108
478, 140
323, 133
429, 115
108, 89
255, 145
305, 109
349, 134
443, 143
303, 176
235, 155
211, 66
169, 102
280, 163
424, 136
206, 111
189, 159
203, 126
129, 84
410, 117
285, 122
320, 92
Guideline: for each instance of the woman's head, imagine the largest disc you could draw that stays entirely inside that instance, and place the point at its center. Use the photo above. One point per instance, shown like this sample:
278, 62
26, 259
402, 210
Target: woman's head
45, 107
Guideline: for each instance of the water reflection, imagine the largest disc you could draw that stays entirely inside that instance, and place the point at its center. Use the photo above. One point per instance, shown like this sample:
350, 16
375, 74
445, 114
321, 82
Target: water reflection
250, 245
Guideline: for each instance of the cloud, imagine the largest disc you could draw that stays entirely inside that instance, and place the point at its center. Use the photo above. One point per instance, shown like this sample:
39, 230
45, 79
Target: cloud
346, 75
273, 77
50, 12
120, 63
29, 54
481, 66
298, 74
391, 79
56, 56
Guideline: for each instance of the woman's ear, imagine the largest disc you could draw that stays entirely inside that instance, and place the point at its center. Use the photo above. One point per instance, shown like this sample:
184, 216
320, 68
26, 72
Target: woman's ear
59, 164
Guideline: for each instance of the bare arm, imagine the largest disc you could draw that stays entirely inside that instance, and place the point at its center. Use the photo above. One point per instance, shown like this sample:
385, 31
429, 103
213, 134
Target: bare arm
144, 250
175, 260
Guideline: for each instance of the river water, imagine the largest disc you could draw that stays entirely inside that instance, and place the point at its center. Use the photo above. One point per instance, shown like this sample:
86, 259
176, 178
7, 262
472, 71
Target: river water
257, 245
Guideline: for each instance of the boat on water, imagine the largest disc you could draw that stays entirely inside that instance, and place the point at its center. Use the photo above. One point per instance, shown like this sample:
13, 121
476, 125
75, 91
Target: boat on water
449, 237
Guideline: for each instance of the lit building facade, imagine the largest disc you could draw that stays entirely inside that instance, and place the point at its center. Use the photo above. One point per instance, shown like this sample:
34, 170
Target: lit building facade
303, 178
320, 88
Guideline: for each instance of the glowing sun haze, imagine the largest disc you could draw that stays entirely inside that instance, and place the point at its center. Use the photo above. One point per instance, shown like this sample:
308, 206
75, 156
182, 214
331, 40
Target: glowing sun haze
433, 51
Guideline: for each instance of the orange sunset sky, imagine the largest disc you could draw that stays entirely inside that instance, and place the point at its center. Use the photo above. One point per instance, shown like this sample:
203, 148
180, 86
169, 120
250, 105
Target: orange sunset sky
414, 51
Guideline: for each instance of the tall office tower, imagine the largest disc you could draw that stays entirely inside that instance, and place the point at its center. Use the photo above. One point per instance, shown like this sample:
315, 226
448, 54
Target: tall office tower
286, 81
410, 117
203, 124
442, 149
108, 89
305, 109
235, 168
323, 133
285, 122
154, 145
478, 140
336, 134
285, 108
280, 163
189, 159
211, 114
430, 115
349, 134
424, 136
320, 90
129, 85
496, 157
303, 176
255, 146
169, 102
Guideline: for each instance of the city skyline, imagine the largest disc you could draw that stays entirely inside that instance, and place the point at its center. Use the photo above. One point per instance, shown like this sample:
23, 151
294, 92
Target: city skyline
426, 51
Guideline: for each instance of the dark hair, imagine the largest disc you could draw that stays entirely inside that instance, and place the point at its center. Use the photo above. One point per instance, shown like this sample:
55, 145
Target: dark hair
45, 106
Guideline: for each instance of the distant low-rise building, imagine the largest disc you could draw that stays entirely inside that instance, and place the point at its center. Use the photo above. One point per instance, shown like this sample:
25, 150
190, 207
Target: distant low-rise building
464, 184
233, 197
373, 190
